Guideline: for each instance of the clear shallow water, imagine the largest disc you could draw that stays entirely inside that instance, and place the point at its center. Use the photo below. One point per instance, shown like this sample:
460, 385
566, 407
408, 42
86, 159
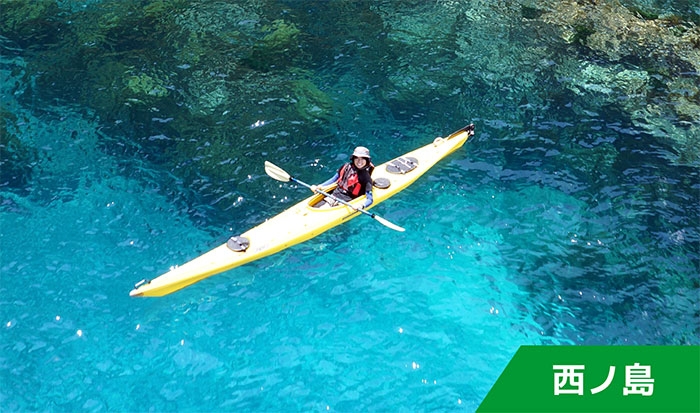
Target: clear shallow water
563, 222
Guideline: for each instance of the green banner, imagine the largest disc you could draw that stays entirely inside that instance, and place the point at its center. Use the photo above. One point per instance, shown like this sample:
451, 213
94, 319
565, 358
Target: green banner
598, 379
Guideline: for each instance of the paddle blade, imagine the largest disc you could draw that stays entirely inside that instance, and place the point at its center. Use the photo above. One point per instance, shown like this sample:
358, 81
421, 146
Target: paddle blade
388, 224
276, 172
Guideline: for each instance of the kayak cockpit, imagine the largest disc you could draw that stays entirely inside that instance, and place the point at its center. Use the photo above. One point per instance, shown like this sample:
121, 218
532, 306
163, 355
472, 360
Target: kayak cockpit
315, 202
318, 203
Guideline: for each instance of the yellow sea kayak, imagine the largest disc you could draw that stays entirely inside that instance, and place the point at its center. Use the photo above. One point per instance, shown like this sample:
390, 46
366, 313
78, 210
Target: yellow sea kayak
302, 221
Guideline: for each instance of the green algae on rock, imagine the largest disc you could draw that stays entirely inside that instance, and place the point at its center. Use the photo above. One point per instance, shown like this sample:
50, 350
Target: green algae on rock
310, 103
143, 85
281, 35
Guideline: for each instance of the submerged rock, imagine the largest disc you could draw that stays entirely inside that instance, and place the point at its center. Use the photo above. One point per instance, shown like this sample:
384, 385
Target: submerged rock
611, 30
684, 93
144, 85
310, 102
281, 35
193, 80
277, 49
650, 55
659, 121
614, 80
28, 21
16, 158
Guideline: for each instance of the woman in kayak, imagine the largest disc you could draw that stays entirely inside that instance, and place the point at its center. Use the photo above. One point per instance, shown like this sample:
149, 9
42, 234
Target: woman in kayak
354, 179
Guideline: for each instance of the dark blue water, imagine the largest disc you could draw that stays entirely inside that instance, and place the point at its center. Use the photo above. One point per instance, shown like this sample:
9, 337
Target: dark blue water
134, 136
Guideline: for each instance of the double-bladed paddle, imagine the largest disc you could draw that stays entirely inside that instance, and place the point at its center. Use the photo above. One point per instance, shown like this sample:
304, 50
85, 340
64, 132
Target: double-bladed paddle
281, 175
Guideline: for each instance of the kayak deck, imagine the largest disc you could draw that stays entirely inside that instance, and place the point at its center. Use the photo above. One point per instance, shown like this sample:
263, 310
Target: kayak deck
302, 221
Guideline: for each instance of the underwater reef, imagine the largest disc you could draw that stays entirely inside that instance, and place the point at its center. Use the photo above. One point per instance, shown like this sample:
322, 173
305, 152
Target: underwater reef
188, 84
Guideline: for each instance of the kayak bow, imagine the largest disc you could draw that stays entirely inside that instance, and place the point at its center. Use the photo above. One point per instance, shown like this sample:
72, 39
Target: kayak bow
302, 221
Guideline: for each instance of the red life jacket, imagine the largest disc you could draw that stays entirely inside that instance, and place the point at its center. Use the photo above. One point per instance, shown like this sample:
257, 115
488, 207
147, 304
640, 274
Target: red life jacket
349, 180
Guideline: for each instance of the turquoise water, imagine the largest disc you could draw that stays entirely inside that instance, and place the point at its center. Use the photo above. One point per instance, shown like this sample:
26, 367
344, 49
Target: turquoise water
570, 218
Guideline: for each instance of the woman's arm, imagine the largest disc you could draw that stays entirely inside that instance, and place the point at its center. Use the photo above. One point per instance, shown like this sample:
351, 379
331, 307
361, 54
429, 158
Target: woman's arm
332, 180
369, 199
